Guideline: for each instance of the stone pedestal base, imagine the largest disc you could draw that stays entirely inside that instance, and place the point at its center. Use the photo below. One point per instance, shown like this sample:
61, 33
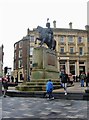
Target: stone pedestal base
44, 74
44, 68
44, 64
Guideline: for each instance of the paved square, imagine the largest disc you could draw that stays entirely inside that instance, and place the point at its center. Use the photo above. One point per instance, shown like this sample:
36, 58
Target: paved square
18, 107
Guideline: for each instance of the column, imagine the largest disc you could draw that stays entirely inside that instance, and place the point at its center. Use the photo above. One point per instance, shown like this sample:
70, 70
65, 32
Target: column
77, 67
86, 65
67, 68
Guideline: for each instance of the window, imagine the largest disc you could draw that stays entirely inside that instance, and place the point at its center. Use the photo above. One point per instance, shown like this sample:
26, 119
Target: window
20, 63
88, 50
71, 50
62, 39
31, 50
30, 62
81, 51
80, 39
62, 49
70, 39
88, 40
20, 44
81, 62
62, 66
32, 38
20, 53
72, 69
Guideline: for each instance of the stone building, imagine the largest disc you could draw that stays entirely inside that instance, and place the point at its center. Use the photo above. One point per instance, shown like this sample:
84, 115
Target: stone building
72, 51
1, 60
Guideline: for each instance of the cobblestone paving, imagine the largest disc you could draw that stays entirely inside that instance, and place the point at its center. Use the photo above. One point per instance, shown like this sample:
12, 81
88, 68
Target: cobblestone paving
18, 107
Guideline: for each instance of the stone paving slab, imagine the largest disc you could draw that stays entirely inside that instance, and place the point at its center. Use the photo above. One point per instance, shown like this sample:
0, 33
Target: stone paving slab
74, 89
18, 107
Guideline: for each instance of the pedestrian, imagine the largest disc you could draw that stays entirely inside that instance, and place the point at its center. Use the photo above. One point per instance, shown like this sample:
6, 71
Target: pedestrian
16, 80
64, 80
49, 89
5, 85
76, 77
12, 79
22, 78
82, 77
87, 80
28, 78
60, 76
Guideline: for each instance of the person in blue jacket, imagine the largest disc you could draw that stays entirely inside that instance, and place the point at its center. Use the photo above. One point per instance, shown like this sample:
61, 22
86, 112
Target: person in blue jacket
49, 89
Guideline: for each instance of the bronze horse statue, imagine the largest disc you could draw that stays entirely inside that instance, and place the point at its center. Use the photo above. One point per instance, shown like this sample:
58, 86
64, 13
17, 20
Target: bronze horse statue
46, 36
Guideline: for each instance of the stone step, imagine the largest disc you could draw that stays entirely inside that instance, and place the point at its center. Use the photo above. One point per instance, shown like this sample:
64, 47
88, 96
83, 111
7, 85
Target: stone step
41, 83
35, 87
44, 80
41, 94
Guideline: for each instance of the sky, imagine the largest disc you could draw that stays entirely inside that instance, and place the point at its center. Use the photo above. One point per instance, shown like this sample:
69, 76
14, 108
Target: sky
16, 16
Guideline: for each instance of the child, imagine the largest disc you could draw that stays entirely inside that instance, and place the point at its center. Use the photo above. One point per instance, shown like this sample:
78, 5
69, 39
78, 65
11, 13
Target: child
49, 89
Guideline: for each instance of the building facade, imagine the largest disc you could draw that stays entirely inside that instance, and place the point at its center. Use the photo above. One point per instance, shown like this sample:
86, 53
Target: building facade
1, 60
72, 51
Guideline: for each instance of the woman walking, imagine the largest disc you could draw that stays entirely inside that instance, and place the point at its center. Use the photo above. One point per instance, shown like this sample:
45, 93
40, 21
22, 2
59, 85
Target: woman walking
5, 85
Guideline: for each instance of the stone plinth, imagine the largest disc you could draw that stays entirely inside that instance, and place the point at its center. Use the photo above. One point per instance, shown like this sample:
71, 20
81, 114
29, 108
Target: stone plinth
44, 64
44, 67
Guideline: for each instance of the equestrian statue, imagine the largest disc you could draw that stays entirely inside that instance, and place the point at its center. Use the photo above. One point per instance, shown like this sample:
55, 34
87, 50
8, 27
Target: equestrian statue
46, 36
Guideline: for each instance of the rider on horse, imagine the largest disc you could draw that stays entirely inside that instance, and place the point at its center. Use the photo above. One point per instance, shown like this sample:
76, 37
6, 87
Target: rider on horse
49, 32
46, 36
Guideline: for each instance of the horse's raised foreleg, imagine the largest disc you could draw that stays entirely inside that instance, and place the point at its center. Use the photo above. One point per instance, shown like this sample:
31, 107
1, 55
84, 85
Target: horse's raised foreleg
42, 42
36, 41
52, 45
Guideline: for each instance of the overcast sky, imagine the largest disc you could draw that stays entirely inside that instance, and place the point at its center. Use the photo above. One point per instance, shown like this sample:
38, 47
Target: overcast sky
18, 15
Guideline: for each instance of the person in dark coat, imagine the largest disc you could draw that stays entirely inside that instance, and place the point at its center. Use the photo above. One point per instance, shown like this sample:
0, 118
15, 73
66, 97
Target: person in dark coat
12, 78
82, 77
5, 85
64, 80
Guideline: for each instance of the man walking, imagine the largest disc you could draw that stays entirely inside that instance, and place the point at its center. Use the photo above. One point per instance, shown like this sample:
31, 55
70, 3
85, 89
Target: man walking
82, 78
64, 80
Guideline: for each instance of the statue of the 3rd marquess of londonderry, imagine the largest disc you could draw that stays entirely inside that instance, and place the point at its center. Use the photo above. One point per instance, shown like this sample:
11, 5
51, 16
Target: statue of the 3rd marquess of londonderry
46, 36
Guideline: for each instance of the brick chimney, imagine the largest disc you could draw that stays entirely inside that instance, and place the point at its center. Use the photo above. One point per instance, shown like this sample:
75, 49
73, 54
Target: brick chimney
70, 25
28, 31
54, 24
87, 27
